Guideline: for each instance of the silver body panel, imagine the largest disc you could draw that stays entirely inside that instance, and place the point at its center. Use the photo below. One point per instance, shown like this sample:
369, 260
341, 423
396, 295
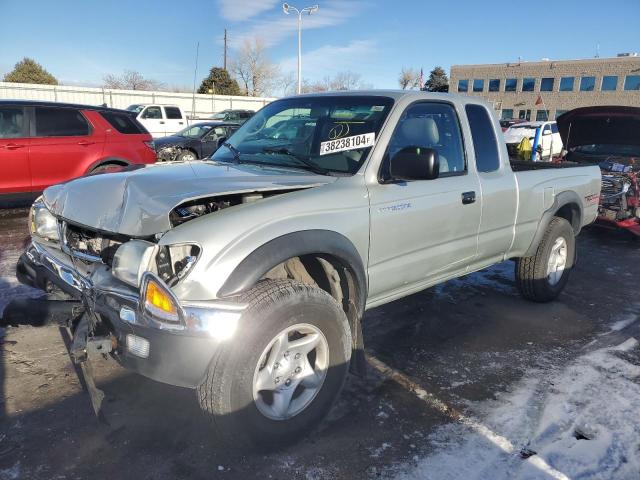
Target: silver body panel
409, 236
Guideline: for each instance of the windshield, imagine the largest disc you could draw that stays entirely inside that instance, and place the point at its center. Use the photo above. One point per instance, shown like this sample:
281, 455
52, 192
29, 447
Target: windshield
196, 131
135, 108
219, 116
324, 134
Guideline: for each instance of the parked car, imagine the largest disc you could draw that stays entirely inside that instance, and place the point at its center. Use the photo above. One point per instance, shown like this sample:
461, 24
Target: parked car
44, 143
505, 124
608, 136
246, 278
197, 141
236, 116
159, 120
550, 143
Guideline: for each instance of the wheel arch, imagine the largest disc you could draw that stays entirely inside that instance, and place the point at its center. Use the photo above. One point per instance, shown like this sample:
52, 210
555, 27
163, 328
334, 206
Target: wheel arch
566, 205
322, 258
108, 161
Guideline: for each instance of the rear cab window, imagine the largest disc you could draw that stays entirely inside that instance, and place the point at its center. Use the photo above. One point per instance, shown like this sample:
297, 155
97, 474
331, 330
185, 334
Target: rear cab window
484, 139
12, 122
173, 113
60, 122
123, 123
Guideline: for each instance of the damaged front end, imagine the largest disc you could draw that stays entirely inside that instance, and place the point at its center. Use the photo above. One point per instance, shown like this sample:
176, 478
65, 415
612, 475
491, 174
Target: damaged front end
620, 197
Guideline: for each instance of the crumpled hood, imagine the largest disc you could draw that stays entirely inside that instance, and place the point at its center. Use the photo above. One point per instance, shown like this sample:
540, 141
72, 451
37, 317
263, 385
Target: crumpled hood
614, 125
137, 203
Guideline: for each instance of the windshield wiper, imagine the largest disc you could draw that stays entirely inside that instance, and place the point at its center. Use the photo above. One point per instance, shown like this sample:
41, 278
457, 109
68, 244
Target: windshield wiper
304, 160
234, 150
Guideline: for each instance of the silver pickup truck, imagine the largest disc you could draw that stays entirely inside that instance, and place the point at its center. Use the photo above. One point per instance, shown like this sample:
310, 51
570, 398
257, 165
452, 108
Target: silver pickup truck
246, 276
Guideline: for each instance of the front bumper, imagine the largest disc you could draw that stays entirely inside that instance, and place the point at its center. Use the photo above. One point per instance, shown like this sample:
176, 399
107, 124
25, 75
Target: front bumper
178, 354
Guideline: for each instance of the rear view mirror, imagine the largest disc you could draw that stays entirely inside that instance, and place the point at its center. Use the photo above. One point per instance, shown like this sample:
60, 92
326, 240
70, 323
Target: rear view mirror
415, 163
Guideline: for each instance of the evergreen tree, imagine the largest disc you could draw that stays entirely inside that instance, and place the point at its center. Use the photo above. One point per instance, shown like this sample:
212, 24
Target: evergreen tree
28, 70
220, 82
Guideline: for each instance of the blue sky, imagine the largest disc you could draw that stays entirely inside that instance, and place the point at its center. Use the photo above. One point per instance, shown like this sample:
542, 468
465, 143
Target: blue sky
80, 41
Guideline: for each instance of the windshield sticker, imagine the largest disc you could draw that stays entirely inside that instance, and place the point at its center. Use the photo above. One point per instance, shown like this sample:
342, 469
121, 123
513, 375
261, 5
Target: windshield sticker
377, 108
348, 143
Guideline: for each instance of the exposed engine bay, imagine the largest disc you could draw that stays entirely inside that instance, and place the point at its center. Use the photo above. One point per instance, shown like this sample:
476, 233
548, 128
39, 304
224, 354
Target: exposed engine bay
620, 197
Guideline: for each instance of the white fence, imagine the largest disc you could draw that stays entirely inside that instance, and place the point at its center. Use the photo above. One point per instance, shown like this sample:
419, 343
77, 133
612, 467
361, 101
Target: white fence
204, 104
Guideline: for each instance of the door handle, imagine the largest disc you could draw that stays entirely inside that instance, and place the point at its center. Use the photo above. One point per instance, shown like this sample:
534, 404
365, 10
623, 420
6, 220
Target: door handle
468, 197
84, 143
13, 146
162, 122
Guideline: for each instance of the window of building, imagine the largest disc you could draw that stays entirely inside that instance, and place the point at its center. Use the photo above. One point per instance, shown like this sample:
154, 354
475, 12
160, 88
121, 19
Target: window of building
609, 83
566, 84
524, 115
528, 84
542, 115
560, 112
60, 122
546, 84
494, 85
507, 114
485, 143
478, 85
463, 85
587, 84
510, 84
632, 82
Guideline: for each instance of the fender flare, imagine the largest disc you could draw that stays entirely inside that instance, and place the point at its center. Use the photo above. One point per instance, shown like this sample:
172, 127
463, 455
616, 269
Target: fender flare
561, 200
306, 242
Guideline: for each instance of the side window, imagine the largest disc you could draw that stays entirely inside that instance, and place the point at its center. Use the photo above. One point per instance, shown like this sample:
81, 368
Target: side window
11, 122
430, 125
484, 138
122, 123
173, 113
60, 122
554, 128
152, 113
546, 130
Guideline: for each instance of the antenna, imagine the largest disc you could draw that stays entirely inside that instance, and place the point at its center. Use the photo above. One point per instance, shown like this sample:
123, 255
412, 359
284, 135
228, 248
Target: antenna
225, 48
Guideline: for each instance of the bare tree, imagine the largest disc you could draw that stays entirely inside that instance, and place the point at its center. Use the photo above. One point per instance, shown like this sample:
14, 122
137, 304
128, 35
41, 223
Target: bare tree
131, 80
288, 83
340, 81
255, 72
409, 78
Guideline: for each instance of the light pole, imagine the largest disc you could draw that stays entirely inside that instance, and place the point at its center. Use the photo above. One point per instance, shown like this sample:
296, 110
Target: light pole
212, 91
286, 8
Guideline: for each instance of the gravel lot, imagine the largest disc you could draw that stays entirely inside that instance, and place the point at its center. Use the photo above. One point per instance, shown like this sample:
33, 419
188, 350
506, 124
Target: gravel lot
467, 380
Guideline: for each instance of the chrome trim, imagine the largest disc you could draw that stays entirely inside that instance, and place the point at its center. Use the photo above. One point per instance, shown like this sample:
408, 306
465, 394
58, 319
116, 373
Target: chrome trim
67, 274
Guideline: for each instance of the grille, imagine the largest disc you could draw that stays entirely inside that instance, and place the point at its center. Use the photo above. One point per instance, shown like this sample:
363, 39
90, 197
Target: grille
88, 245
612, 186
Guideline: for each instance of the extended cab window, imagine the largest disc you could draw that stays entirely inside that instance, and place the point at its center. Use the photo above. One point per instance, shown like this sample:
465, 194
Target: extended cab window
11, 122
484, 138
429, 125
60, 122
173, 113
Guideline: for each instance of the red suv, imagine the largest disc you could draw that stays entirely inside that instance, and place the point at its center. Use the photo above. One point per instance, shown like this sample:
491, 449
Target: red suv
44, 143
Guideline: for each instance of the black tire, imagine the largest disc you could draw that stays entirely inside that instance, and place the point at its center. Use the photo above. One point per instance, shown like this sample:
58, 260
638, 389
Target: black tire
531, 272
226, 395
182, 156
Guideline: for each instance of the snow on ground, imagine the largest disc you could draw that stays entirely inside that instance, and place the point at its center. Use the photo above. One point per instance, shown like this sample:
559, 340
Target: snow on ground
580, 422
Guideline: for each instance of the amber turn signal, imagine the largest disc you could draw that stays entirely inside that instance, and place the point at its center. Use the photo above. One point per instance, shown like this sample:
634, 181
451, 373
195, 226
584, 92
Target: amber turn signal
160, 303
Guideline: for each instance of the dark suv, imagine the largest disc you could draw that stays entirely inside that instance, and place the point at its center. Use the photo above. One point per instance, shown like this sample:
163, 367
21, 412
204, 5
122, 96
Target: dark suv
235, 116
44, 143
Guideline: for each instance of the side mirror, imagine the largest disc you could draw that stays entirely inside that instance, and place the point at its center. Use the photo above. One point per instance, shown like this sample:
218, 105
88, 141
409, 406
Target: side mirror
415, 163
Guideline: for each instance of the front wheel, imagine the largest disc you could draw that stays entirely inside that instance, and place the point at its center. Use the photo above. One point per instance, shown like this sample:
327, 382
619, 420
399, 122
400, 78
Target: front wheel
285, 367
186, 156
542, 276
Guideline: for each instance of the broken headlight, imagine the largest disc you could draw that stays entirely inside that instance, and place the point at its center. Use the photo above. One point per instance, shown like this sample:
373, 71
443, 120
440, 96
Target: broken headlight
42, 222
131, 260
174, 262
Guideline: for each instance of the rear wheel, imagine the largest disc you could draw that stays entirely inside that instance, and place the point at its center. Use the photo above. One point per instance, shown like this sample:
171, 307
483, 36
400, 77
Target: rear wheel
542, 276
281, 375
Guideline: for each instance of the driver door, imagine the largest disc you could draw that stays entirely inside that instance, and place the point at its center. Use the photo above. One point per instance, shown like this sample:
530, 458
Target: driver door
423, 230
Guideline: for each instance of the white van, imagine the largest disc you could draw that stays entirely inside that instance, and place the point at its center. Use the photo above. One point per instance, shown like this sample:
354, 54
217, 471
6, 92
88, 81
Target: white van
550, 140
160, 120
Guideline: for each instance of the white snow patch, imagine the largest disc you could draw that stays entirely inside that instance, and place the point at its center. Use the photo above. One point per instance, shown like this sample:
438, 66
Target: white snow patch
624, 322
597, 396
